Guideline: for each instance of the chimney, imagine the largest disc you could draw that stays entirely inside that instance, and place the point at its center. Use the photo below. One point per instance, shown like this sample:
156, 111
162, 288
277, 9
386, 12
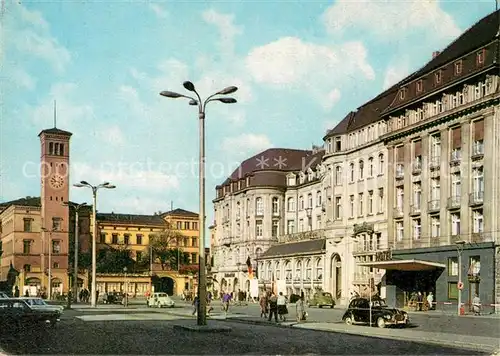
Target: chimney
435, 54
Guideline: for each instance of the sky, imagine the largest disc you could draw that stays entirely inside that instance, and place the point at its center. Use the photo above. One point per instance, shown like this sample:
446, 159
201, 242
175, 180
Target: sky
300, 67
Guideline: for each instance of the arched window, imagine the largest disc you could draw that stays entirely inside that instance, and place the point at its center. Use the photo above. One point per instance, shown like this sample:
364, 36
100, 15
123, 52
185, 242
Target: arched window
298, 271
381, 164
351, 172
275, 205
361, 170
259, 206
338, 175
290, 204
318, 198
370, 167
308, 270
318, 275
277, 270
301, 203
310, 200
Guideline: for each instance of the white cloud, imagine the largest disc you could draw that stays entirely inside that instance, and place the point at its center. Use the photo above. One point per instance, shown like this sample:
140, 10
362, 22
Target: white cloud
395, 73
227, 29
245, 144
159, 11
140, 205
112, 135
20, 78
388, 19
331, 99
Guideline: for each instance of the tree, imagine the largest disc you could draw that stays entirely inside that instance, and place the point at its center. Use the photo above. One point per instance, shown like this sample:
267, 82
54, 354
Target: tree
162, 245
114, 260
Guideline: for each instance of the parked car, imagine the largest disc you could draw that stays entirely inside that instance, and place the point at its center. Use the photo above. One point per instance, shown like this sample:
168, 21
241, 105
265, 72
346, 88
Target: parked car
113, 298
359, 312
16, 314
3, 295
321, 299
160, 300
39, 303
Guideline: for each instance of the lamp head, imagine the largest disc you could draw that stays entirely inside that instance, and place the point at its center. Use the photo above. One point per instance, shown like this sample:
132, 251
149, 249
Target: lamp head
227, 100
78, 185
228, 90
84, 182
193, 102
171, 94
189, 86
110, 186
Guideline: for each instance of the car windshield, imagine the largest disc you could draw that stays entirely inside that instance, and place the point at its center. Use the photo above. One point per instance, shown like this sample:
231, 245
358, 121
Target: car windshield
162, 295
379, 303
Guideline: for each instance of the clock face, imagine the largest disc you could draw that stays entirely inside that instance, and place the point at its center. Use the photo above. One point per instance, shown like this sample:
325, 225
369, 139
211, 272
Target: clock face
56, 181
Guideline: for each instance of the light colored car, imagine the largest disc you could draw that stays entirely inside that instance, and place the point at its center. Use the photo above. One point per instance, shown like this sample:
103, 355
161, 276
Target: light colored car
39, 303
3, 295
322, 299
160, 300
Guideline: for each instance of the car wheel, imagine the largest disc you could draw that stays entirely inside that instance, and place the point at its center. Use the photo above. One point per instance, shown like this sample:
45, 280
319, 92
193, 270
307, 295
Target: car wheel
320, 306
381, 322
331, 306
348, 320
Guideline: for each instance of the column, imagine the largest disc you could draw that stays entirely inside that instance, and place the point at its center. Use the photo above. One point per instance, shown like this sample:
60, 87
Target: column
425, 183
408, 195
389, 195
465, 177
445, 183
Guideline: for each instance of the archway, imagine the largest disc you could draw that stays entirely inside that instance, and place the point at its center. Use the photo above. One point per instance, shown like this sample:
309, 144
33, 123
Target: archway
236, 285
336, 276
164, 285
247, 286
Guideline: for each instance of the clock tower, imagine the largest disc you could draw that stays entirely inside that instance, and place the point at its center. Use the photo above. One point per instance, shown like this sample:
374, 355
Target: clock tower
54, 172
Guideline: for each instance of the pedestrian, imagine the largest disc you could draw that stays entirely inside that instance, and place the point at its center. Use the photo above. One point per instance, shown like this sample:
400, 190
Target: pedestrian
263, 305
476, 305
226, 299
282, 309
273, 307
430, 300
420, 300
300, 309
195, 304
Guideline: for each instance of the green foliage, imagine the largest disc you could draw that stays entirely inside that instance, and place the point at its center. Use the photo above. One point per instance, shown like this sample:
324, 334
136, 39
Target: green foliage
163, 252
114, 261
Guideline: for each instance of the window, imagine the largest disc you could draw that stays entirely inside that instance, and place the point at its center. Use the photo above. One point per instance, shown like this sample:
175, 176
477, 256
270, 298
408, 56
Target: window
329, 146
351, 172
56, 246
186, 225
238, 211
417, 195
380, 200
381, 164
370, 202
55, 284
194, 258
351, 206
291, 204
318, 198
399, 230
456, 143
338, 175
102, 236
419, 86
452, 266
452, 290
400, 193
259, 206
138, 239
318, 222
370, 167
138, 256
51, 148
56, 224
436, 147
27, 224
290, 226
126, 239
360, 204
338, 144
437, 77
480, 57
435, 226
474, 266
301, 225
338, 208
291, 180
478, 182
114, 239
455, 224
361, 170
309, 200
402, 93
195, 225
417, 229
27, 268
435, 189
258, 228
458, 67
477, 221
275, 227
301, 203
179, 225
455, 185
27, 247
275, 206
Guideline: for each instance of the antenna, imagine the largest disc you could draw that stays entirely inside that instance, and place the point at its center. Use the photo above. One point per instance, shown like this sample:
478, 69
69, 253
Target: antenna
171, 205
55, 114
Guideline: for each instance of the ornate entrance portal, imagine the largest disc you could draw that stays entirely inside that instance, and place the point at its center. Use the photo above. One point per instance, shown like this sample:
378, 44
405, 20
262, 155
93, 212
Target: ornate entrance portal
336, 276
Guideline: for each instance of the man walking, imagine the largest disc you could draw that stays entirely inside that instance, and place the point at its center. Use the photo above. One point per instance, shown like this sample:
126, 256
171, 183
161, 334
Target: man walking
273, 307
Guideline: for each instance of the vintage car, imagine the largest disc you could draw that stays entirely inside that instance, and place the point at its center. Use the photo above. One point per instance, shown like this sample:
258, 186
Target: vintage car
359, 312
321, 299
16, 314
113, 298
160, 300
39, 303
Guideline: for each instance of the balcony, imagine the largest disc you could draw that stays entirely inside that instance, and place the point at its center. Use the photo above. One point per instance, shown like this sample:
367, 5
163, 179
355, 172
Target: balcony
455, 157
478, 237
301, 236
476, 198
435, 163
416, 167
433, 206
368, 248
415, 209
226, 240
397, 212
453, 202
477, 150
400, 171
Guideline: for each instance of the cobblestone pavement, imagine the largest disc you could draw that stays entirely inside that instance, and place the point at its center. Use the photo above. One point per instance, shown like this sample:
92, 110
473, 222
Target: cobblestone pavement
86, 333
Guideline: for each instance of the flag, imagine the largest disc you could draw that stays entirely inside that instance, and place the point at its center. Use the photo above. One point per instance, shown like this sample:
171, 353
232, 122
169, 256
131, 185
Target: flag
250, 269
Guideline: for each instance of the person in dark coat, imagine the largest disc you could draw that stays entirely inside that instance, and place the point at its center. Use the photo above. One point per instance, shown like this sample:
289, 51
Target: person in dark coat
273, 307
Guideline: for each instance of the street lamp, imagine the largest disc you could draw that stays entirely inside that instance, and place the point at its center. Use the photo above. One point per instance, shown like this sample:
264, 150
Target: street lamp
77, 208
95, 188
460, 247
202, 305
49, 287
125, 287
309, 217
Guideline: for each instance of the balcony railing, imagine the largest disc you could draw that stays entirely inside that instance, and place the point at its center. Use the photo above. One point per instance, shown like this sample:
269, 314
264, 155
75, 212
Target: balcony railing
415, 209
476, 198
416, 167
477, 149
455, 157
434, 162
433, 206
226, 240
398, 212
454, 202
400, 171
300, 236
369, 247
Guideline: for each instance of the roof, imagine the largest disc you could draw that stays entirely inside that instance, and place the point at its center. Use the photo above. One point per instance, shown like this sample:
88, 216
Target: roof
55, 131
295, 248
180, 212
26, 201
404, 265
131, 219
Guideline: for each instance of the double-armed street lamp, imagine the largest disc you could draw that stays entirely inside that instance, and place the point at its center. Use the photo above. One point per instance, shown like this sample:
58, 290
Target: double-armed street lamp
49, 269
95, 188
197, 101
77, 208
460, 247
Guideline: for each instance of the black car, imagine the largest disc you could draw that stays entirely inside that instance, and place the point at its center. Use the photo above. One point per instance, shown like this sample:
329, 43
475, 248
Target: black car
17, 314
359, 313
113, 298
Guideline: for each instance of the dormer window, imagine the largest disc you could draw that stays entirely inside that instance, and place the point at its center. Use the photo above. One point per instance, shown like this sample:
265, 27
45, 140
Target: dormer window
402, 94
419, 86
291, 180
480, 57
338, 144
437, 77
458, 67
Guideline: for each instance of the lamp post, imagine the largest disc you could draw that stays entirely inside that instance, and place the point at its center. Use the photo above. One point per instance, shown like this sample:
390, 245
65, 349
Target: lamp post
460, 247
202, 318
95, 188
49, 270
77, 208
125, 288
309, 217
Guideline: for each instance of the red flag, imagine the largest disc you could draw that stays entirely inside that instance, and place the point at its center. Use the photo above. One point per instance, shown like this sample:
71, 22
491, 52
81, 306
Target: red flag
250, 269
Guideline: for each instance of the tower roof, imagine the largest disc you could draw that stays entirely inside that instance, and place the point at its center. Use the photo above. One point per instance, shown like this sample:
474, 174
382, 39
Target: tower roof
55, 131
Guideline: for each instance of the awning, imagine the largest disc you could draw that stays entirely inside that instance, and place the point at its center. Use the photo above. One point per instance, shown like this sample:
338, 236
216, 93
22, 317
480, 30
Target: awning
404, 265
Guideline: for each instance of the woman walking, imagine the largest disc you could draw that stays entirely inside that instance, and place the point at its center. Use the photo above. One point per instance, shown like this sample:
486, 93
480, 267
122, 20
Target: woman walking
282, 309
263, 305
300, 309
